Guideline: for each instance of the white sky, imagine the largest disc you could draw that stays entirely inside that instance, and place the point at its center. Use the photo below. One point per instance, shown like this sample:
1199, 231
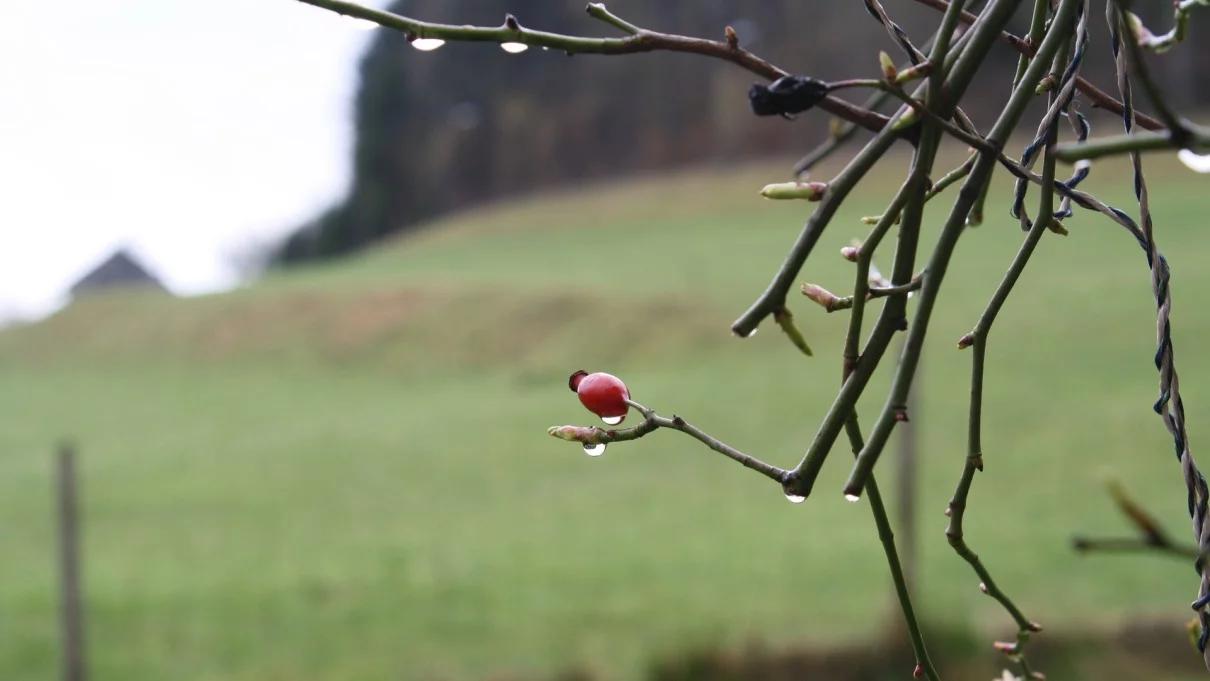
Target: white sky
184, 129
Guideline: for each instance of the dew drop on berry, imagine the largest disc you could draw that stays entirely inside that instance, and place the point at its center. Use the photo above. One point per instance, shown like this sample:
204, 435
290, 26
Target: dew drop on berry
794, 498
594, 450
851, 498
612, 420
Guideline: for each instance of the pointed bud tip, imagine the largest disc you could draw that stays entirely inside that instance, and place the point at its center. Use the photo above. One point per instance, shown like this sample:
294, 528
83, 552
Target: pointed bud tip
889, 70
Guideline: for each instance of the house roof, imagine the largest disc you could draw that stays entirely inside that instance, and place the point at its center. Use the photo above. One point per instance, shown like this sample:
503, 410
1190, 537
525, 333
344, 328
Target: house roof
121, 269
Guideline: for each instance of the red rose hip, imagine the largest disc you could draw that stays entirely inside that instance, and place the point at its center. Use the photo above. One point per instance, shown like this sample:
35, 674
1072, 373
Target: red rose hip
603, 394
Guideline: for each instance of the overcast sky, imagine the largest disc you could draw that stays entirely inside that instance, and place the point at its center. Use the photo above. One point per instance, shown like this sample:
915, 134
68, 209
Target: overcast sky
184, 129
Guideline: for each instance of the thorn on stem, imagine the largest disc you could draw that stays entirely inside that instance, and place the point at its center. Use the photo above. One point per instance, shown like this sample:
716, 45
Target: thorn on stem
966, 341
511, 22
901, 414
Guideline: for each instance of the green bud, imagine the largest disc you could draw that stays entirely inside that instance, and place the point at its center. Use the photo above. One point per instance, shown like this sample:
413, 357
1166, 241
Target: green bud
889, 70
811, 191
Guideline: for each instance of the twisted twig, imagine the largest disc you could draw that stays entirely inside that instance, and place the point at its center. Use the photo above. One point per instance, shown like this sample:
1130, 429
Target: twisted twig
1169, 405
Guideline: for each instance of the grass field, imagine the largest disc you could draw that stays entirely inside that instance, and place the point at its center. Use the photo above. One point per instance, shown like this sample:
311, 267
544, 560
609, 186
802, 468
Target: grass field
342, 472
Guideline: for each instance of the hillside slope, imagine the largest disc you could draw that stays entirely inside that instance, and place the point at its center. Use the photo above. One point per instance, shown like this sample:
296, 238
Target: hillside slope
341, 472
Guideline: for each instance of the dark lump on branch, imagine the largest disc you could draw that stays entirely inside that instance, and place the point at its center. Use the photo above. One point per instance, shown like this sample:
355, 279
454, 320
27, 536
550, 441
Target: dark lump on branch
786, 96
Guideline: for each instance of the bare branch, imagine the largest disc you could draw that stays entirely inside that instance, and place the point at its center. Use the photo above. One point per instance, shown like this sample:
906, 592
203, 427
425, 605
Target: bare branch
638, 40
592, 435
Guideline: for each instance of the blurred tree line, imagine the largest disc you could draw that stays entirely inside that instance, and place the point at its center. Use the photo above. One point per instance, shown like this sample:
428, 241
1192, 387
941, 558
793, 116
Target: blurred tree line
469, 123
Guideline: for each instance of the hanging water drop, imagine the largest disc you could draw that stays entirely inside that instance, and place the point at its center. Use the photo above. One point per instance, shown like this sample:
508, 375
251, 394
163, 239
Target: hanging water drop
1195, 162
514, 48
427, 44
851, 498
748, 335
612, 420
594, 449
795, 498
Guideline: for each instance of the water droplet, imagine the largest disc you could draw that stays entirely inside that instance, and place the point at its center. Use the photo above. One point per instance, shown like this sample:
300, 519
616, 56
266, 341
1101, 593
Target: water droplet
427, 44
612, 420
1195, 162
514, 48
362, 24
794, 498
852, 498
749, 334
594, 450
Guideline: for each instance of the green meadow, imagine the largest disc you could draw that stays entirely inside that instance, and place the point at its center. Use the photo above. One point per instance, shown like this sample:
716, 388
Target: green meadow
342, 472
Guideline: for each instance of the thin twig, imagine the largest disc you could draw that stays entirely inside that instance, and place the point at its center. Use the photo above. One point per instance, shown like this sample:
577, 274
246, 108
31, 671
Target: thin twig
979, 41
1098, 96
939, 263
1197, 139
886, 535
592, 435
978, 338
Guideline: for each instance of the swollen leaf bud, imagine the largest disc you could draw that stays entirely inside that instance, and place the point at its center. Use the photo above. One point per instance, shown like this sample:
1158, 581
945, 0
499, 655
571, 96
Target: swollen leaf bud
889, 70
810, 191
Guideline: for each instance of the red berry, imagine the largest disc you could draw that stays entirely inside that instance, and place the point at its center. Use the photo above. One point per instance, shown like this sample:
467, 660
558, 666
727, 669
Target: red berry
603, 394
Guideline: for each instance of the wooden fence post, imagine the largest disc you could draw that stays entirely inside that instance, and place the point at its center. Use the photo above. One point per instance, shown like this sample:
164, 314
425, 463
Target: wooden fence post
71, 616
